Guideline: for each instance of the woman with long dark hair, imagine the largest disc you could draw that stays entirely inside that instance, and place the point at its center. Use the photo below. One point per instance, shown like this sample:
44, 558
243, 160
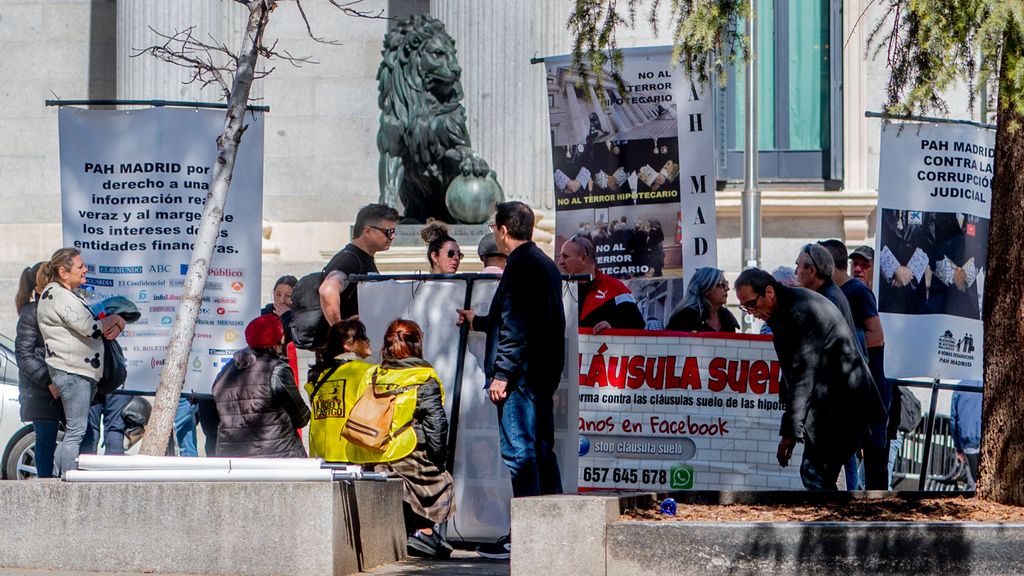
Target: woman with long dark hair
703, 308
39, 399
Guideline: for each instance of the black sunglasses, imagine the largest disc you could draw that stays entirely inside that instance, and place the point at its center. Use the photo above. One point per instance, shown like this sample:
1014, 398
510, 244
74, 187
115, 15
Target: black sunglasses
389, 232
454, 253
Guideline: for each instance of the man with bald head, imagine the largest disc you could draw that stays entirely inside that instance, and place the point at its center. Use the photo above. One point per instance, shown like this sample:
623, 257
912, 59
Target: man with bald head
605, 302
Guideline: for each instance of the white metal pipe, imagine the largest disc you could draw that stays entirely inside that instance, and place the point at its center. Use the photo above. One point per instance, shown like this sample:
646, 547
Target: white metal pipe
141, 462
223, 475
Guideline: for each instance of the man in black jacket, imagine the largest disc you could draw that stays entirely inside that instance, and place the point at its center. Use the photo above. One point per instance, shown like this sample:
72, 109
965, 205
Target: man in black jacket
525, 328
828, 392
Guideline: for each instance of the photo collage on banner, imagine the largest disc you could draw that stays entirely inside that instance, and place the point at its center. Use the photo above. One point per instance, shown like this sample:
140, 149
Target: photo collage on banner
634, 171
133, 187
934, 200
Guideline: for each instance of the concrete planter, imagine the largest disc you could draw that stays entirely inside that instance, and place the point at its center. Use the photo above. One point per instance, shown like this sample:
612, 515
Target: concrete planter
561, 534
222, 528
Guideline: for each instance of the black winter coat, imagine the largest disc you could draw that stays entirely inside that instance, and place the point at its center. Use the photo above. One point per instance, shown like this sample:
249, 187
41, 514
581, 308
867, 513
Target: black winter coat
428, 418
828, 391
33, 376
259, 407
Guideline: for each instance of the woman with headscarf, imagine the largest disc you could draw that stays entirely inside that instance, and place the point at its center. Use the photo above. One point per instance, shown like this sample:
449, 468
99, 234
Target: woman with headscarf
703, 308
258, 403
39, 399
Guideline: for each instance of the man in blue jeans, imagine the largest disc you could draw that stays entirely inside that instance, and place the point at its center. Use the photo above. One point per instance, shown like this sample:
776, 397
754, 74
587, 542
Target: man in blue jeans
525, 328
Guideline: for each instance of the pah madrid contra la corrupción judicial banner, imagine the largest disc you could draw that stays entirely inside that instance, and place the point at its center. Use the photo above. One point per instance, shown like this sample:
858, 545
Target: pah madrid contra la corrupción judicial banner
133, 187
635, 172
934, 202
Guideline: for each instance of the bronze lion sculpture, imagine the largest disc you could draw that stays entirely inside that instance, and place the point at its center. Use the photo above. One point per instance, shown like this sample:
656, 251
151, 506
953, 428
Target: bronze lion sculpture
422, 140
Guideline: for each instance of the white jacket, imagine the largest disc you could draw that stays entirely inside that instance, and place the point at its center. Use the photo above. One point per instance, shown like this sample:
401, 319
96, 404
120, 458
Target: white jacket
73, 337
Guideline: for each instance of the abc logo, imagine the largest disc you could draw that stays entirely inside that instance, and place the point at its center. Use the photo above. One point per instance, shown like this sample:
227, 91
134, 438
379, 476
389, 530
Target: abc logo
681, 477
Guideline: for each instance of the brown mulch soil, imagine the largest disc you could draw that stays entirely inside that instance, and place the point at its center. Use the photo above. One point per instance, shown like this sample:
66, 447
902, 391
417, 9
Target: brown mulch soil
876, 510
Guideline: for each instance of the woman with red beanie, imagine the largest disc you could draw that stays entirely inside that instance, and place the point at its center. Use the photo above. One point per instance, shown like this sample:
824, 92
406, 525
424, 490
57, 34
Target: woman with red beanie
257, 400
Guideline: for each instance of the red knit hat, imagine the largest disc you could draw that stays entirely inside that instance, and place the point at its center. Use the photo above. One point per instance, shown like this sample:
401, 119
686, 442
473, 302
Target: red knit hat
264, 332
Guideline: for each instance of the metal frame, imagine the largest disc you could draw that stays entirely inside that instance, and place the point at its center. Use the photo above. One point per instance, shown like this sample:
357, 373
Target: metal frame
153, 103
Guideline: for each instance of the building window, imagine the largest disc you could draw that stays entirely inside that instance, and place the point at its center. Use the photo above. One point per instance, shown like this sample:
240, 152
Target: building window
799, 106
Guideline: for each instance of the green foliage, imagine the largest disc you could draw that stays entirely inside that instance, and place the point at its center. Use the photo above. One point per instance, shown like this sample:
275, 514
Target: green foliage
932, 45
705, 34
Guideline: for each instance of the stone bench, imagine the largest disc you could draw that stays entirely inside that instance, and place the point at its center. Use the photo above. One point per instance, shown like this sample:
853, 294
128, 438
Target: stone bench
228, 528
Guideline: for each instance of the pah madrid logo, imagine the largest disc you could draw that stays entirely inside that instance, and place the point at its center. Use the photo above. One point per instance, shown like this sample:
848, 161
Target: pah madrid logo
956, 351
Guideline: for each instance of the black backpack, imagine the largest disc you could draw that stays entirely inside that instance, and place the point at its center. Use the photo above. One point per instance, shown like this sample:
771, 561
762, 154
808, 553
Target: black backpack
308, 326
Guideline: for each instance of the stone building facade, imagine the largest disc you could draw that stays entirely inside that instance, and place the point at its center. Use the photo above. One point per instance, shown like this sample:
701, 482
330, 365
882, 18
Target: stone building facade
321, 158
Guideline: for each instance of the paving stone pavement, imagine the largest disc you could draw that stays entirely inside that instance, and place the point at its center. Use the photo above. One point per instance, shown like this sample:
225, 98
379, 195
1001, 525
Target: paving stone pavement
462, 563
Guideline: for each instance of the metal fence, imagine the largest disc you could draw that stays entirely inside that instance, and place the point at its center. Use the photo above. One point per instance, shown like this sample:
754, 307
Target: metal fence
930, 446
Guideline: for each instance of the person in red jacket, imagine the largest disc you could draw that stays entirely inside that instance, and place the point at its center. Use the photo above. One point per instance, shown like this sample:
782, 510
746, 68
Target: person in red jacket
606, 302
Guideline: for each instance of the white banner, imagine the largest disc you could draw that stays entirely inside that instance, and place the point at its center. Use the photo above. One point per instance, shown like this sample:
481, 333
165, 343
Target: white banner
661, 411
483, 489
934, 199
636, 172
133, 186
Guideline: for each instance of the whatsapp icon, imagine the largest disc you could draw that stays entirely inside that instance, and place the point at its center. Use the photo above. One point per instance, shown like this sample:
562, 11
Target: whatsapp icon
681, 477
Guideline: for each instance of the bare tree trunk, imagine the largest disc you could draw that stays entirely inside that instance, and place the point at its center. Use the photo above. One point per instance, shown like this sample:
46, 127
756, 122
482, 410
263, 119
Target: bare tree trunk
1002, 462
172, 379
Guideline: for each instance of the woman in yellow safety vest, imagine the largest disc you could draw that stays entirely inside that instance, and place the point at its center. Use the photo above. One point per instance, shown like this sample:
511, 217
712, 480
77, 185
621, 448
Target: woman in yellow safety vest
418, 450
334, 386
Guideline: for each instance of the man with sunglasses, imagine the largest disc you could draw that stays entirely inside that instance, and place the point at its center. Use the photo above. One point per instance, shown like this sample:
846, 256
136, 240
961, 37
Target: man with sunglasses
827, 389
373, 232
605, 302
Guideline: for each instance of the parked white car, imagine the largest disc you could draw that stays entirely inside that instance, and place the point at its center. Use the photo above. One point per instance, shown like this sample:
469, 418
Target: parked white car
17, 439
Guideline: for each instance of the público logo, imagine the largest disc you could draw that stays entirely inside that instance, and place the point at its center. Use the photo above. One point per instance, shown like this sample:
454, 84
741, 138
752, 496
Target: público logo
681, 477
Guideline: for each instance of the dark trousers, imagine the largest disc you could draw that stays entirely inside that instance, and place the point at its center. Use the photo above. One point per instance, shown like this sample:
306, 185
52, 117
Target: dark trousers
876, 467
209, 421
46, 446
526, 425
820, 470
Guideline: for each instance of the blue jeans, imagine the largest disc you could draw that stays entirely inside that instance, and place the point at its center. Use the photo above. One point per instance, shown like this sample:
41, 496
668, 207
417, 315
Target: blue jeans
76, 392
185, 428
110, 410
526, 425
852, 471
894, 452
46, 446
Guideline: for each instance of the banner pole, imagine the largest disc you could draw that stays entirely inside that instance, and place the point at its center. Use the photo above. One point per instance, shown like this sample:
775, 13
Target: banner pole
925, 464
751, 199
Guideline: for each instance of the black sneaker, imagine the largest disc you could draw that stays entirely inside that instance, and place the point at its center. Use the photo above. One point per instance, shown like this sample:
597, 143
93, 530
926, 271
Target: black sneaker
500, 550
427, 545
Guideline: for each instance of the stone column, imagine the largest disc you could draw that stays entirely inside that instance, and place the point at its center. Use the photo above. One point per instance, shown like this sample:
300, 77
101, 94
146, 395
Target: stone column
146, 78
506, 96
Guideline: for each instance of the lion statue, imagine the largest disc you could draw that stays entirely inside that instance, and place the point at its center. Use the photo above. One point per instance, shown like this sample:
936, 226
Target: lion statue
423, 140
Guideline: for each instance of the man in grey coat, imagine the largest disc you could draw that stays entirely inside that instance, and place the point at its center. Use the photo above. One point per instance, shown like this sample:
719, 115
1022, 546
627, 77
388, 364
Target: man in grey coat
828, 392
